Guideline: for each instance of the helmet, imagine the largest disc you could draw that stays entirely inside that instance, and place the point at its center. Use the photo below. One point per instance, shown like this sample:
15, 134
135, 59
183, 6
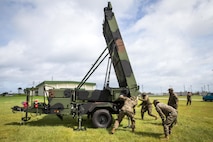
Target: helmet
170, 89
155, 102
143, 94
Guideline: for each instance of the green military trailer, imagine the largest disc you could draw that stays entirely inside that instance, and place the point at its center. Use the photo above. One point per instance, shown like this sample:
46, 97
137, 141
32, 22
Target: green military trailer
99, 105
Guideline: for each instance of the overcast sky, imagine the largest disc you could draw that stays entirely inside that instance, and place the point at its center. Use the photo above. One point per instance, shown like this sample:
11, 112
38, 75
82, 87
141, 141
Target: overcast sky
169, 42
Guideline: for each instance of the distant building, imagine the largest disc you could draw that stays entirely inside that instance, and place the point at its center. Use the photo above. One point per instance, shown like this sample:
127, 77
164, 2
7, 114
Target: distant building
62, 85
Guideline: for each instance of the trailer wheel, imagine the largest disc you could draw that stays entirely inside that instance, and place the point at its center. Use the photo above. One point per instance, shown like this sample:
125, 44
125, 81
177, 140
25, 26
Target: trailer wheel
101, 118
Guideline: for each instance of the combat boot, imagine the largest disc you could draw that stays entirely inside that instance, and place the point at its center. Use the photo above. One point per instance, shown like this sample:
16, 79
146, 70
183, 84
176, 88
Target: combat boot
113, 131
142, 116
133, 126
165, 138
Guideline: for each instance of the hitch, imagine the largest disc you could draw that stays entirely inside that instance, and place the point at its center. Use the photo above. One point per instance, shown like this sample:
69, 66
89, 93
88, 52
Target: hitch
17, 108
21, 109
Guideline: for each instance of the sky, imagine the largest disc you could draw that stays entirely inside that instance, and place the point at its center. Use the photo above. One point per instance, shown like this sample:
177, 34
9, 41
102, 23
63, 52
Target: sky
169, 43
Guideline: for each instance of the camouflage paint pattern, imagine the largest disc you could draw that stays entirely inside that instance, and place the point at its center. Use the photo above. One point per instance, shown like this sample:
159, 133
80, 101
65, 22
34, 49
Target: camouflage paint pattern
118, 54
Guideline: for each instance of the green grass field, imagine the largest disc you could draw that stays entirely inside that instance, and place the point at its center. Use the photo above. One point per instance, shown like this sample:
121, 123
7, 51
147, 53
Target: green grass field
195, 124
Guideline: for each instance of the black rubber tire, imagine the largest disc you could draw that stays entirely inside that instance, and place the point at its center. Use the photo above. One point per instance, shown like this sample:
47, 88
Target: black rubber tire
101, 118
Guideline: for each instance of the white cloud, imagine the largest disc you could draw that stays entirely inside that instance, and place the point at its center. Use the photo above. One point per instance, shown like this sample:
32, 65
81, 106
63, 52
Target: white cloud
168, 38
168, 42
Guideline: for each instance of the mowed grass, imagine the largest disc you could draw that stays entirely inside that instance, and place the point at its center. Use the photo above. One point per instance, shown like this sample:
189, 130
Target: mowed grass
195, 124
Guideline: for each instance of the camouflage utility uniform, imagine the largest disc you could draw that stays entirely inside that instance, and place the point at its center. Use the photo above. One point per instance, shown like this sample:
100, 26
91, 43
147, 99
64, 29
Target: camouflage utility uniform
189, 98
127, 109
173, 100
168, 115
146, 105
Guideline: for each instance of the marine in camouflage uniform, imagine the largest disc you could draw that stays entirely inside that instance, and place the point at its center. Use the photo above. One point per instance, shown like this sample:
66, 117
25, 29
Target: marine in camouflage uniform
168, 115
173, 100
189, 98
146, 105
127, 109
